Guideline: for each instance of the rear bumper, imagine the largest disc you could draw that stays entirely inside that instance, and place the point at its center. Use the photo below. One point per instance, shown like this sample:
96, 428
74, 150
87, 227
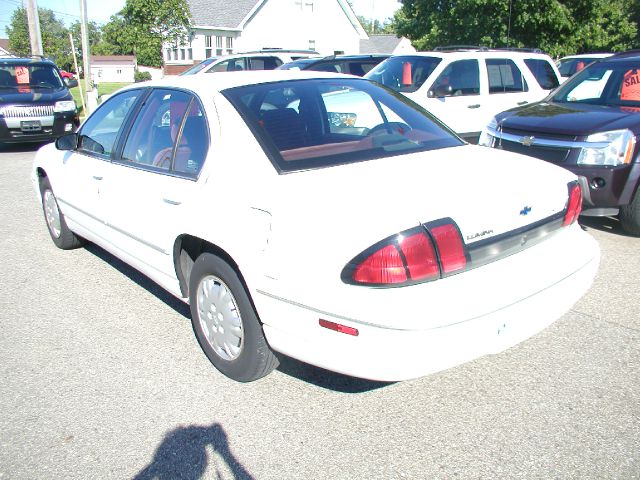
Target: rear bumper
391, 354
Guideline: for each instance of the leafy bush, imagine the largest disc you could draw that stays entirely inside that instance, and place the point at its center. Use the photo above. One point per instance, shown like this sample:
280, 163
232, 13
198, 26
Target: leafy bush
139, 76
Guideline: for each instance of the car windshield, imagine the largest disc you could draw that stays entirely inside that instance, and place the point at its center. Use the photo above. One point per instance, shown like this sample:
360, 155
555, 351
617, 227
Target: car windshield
28, 76
199, 66
305, 124
404, 73
613, 84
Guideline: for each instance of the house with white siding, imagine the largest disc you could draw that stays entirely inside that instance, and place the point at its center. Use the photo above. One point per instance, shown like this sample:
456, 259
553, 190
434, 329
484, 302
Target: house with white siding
224, 27
113, 68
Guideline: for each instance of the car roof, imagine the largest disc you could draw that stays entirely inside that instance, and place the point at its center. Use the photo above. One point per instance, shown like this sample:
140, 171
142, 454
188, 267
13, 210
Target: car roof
470, 53
22, 60
588, 55
220, 81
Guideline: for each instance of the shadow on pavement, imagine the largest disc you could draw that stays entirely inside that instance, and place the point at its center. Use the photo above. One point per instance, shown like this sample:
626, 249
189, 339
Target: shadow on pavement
183, 455
149, 285
325, 378
20, 147
289, 366
603, 224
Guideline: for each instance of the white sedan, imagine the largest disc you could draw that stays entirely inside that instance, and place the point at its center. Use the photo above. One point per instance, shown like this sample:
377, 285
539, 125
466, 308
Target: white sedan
322, 217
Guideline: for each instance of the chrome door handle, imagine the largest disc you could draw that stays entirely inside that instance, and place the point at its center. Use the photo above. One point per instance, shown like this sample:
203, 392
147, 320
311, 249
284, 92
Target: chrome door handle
97, 177
171, 202
477, 105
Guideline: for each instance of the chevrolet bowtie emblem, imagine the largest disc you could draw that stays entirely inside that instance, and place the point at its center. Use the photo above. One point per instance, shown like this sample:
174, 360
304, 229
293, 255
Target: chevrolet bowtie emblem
528, 140
525, 211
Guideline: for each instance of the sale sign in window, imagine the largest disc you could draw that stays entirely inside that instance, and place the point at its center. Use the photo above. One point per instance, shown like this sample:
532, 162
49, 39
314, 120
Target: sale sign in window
22, 75
630, 86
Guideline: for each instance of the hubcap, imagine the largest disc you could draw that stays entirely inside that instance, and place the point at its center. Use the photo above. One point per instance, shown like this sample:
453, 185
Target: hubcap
219, 317
52, 213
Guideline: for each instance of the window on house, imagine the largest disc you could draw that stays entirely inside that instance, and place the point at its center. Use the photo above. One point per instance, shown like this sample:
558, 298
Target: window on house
312, 44
218, 45
229, 45
189, 54
175, 54
168, 54
182, 54
208, 51
118, 71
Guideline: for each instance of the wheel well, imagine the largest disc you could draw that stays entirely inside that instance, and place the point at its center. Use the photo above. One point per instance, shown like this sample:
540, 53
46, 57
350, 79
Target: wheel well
41, 175
187, 249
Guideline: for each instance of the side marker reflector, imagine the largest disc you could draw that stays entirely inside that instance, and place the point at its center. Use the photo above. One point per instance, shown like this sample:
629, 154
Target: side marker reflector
338, 328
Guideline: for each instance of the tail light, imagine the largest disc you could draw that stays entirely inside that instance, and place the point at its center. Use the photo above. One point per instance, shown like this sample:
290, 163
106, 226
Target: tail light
574, 204
424, 253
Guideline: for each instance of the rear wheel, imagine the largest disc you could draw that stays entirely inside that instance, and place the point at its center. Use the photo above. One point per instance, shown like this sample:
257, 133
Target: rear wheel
60, 233
225, 322
630, 215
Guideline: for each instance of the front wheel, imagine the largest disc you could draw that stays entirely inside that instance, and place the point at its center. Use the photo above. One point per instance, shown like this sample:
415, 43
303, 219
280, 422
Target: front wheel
60, 233
630, 216
225, 322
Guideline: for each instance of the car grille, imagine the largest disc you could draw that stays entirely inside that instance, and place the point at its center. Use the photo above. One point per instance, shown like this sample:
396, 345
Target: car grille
26, 111
551, 153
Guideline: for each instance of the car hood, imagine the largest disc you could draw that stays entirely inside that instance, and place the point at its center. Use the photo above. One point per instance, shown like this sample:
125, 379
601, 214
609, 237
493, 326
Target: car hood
34, 95
568, 118
486, 191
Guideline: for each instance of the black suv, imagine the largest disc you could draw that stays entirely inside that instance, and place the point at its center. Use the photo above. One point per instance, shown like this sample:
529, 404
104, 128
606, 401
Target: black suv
35, 104
351, 64
589, 125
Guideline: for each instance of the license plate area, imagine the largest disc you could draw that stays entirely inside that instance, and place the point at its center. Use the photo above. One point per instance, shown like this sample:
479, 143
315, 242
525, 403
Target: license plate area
30, 125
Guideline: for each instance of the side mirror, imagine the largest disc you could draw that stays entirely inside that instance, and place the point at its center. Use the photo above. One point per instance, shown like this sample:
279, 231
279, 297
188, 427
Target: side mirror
71, 82
67, 142
440, 91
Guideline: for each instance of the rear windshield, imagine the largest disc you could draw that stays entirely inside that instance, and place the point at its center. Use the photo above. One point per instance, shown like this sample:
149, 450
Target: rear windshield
612, 84
404, 73
543, 72
304, 124
29, 76
569, 66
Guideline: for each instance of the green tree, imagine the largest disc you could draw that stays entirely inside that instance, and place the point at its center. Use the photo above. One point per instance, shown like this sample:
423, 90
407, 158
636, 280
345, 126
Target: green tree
142, 26
558, 27
55, 36
94, 35
375, 27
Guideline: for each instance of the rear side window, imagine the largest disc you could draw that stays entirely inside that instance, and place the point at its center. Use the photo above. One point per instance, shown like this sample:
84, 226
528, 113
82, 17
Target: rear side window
264, 63
543, 73
231, 65
504, 76
170, 133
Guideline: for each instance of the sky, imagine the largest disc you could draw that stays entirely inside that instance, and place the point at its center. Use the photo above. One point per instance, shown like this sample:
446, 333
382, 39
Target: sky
100, 11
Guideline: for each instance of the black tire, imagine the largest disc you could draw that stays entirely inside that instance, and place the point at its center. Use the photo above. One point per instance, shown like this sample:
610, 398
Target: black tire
247, 356
60, 233
630, 216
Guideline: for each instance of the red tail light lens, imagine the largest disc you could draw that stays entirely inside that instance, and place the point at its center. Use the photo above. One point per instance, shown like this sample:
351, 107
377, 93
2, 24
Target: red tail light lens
450, 246
381, 267
409, 257
574, 204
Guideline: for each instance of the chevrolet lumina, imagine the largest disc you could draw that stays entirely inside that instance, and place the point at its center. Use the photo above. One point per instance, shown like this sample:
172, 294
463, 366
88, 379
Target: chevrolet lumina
590, 126
322, 217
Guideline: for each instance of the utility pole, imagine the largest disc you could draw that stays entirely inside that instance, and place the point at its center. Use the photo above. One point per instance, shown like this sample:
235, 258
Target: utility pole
86, 68
34, 27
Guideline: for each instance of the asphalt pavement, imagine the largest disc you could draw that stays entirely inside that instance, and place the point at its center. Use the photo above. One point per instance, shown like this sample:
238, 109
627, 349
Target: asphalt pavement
102, 378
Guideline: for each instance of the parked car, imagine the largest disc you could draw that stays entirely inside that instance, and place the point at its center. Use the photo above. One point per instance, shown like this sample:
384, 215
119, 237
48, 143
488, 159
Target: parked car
374, 246
465, 87
35, 104
348, 64
259, 60
574, 63
589, 126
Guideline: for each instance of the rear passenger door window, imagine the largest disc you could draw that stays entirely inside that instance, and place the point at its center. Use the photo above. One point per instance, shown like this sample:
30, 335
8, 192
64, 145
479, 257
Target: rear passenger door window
504, 76
170, 134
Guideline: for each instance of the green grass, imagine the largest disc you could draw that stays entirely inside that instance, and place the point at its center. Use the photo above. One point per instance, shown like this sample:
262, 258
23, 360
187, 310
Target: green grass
103, 89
